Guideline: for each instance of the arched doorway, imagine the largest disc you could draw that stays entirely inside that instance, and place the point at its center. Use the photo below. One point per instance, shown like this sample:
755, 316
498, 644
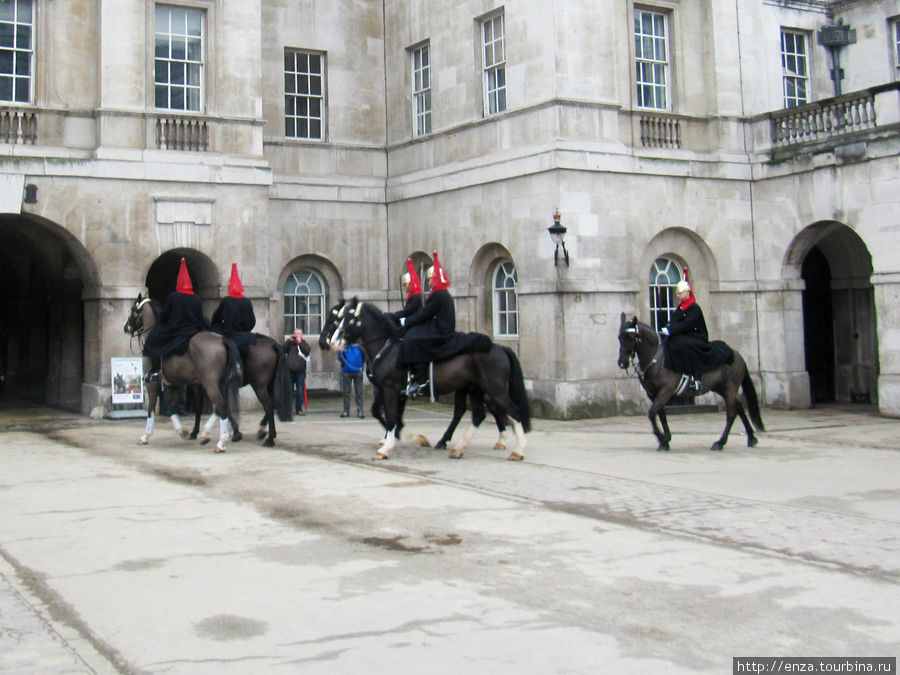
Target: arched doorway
163, 275
839, 321
44, 275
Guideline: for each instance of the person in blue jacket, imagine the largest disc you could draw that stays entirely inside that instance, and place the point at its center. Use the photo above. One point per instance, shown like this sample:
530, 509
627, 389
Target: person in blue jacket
352, 364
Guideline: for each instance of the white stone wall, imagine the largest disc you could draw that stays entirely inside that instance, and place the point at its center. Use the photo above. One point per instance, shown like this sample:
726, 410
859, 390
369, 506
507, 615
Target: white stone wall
356, 204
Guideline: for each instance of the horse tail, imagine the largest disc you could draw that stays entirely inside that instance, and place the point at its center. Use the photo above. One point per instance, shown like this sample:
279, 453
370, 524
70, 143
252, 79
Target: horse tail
752, 402
234, 377
283, 387
517, 389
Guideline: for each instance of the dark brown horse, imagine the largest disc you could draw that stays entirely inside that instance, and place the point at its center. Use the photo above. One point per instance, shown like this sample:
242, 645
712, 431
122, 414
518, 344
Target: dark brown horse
265, 370
639, 341
496, 373
210, 361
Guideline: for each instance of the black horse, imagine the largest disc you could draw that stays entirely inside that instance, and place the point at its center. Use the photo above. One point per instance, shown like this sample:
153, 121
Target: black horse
211, 361
639, 341
460, 399
265, 370
496, 373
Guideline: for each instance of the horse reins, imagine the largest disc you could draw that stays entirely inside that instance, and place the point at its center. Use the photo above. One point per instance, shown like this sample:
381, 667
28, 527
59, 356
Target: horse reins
635, 361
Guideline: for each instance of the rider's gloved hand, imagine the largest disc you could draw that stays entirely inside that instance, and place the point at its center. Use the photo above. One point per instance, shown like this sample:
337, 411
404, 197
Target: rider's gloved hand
664, 331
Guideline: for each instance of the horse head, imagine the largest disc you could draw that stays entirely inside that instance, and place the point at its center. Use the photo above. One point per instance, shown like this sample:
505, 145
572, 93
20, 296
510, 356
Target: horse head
333, 328
629, 338
137, 324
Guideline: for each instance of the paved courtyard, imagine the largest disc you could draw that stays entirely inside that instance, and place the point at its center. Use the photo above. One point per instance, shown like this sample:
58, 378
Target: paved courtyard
595, 554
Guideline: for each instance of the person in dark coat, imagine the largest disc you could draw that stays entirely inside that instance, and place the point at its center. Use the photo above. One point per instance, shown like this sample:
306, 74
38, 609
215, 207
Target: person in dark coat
415, 298
180, 319
688, 349
234, 317
429, 333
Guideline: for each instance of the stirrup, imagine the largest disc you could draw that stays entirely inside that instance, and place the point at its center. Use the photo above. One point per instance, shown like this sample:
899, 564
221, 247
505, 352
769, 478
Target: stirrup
696, 384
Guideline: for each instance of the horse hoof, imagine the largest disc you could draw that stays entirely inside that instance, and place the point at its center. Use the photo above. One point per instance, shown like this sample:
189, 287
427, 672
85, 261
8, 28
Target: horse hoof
219, 448
184, 433
440, 445
515, 456
269, 443
236, 436
379, 455
752, 441
143, 441
261, 434
204, 440
422, 442
499, 446
716, 446
193, 436
455, 454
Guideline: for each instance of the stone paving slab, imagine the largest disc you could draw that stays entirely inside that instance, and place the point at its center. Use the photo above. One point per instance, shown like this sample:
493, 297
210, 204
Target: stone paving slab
595, 554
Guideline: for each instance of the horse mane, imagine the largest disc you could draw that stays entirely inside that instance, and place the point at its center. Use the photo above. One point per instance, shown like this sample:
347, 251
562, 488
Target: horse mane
379, 319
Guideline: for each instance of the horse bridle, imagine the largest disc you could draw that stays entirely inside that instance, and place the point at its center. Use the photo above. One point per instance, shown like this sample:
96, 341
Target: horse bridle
136, 313
633, 357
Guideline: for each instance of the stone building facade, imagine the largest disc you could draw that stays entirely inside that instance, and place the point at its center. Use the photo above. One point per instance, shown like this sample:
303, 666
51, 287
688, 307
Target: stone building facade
318, 144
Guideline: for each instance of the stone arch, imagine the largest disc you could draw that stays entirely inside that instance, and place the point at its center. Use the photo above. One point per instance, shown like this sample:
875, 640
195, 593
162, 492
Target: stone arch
421, 261
479, 279
334, 284
689, 250
49, 288
840, 344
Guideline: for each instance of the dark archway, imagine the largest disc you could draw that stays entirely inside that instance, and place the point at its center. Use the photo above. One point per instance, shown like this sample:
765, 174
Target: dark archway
818, 326
44, 275
839, 315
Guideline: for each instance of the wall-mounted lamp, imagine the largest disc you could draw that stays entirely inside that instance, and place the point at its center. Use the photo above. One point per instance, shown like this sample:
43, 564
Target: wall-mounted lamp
30, 194
834, 38
558, 236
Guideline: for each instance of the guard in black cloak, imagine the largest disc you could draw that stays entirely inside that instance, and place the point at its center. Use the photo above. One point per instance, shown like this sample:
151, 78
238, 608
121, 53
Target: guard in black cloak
180, 319
234, 317
415, 298
688, 349
429, 333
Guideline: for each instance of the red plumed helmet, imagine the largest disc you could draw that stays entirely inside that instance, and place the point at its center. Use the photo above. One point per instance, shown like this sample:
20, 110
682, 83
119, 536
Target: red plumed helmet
184, 284
440, 280
415, 286
235, 287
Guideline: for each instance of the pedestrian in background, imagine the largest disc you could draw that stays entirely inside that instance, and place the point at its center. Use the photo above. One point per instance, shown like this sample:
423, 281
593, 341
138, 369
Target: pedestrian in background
352, 362
296, 351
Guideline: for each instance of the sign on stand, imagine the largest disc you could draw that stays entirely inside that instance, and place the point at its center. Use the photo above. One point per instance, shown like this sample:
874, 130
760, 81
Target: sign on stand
127, 387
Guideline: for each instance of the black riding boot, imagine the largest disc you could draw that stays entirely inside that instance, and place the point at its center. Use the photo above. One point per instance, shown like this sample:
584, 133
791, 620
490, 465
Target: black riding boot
155, 366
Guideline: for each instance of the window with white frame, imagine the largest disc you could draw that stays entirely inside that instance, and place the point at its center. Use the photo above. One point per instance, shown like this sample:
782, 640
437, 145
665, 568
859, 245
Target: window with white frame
794, 67
304, 302
178, 58
664, 274
895, 44
506, 304
421, 89
651, 54
493, 43
16, 50
304, 95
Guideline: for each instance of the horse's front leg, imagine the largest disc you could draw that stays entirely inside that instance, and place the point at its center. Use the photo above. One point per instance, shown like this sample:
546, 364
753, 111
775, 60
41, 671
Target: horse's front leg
391, 417
657, 409
664, 421
152, 389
